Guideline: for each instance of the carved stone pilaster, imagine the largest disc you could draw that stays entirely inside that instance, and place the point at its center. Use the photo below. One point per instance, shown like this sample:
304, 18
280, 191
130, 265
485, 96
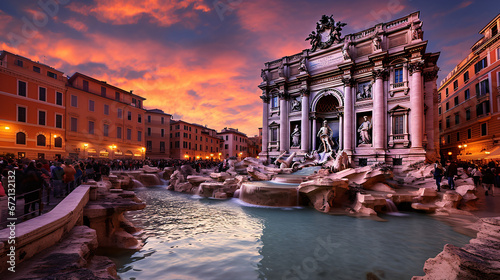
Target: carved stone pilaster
430, 75
265, 98
348, 81
415, 67
379, 74
304, 92
283, 94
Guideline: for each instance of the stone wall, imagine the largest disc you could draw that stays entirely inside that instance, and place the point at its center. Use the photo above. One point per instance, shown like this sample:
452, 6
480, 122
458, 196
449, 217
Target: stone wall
40, 233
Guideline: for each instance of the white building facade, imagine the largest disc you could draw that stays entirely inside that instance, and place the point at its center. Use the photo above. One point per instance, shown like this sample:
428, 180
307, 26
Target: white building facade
376, 90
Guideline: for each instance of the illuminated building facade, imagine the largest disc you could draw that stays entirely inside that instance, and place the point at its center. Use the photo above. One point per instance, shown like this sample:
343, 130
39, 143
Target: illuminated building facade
192, 141
235, 143
469, 101
157, 134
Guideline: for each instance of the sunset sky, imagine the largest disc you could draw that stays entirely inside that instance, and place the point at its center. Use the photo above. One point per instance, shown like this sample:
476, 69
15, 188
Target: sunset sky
200, 60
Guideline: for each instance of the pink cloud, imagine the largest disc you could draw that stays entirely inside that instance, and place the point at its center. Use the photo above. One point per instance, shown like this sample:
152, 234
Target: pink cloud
77, 25
163, 13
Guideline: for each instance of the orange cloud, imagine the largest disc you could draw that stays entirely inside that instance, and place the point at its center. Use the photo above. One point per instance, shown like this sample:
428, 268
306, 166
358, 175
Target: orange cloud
163, 13
77, 25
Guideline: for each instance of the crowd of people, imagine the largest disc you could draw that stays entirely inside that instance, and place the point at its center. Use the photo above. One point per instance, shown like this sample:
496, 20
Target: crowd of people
486, 176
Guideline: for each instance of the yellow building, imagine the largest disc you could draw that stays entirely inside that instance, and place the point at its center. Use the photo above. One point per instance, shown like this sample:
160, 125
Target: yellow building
469, 101
103, 121
32, 108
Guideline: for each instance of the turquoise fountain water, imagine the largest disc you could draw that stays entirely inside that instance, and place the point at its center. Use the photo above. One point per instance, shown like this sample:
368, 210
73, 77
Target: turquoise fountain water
191, 238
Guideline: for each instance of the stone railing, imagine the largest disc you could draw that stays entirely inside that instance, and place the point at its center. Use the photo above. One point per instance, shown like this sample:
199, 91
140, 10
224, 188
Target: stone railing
40, 233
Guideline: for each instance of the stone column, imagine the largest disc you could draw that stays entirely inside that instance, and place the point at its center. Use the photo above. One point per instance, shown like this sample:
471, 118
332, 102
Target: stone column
416, 105
304, 132
348, 115
265, 123
313, 132
379, 133
284, 133
341, 132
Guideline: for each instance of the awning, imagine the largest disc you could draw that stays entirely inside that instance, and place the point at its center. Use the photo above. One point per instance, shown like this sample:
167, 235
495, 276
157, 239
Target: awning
490, 154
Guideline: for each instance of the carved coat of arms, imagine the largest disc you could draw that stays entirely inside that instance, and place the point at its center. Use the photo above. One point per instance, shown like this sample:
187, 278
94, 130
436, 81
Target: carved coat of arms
327, 33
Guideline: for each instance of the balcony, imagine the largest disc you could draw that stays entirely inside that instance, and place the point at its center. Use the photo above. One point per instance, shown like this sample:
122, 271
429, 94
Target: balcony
403, 139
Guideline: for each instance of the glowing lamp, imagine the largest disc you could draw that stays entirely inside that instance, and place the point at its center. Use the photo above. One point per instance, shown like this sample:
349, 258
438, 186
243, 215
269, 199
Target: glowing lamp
7, 128
460, 146
450, 153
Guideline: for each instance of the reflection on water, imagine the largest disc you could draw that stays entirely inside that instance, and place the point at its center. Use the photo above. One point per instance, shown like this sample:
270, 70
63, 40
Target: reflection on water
187, 238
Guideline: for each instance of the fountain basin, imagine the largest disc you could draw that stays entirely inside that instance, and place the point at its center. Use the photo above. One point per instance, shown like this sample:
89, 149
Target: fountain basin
268, 193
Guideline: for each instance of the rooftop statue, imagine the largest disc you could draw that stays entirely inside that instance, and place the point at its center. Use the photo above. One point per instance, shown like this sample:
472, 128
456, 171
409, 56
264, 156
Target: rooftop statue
327, 33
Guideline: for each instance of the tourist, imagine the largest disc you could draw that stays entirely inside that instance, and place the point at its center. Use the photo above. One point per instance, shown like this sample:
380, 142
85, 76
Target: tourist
476, 176
31, 187
452, 171
69, 178
488, 181
57, 179
78, 175
438, 174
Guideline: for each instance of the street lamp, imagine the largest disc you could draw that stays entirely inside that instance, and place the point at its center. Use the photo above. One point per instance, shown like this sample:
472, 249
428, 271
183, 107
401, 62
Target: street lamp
143, 153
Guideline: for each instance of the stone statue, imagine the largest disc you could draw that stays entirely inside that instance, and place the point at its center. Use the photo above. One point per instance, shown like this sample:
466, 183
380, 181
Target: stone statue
296, 136
263, 75
416, 31
327, 33
325, 133
302, 65
364, 91
285, 163
281, 68
364, 131
345, 49
296, 105
377, 42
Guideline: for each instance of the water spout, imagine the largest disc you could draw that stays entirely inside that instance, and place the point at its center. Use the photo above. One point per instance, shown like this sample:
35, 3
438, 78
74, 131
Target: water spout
137, 184
391, 207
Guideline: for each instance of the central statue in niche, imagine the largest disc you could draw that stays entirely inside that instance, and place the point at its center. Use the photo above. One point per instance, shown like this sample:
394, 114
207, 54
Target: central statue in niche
325, 134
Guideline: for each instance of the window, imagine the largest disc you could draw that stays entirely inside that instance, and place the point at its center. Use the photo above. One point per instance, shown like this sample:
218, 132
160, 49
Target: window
58, 142
52, 75
129, 134
484, 129
149, 131
398, 124
74, 124
40, 140
447, 106
59, 98
480, 65
440, 126
466, 94
177, 144
18, 63
21, 88
274, 102
447, 122
162, 146
458, 136
466, 77
457, 119
41, 117
162, 120
482, 88
446, 92
21, 114
59, 119
448, 138
455, 85
467, 115
129, 115
91, 105
85, 85
469, 133
163, 133
21, 138
149, 119
439, 110
455, 101
149, 146
139, 118
36, 69
483, 108
103, 91
74, 101
119, 132
91, 127
494, 31
274, 134
134, 101
120, 113
117, 96
398, 75
105, 130
106, 109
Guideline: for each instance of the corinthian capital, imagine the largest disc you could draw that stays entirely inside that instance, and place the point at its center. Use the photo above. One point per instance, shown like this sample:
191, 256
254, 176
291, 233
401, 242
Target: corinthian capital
304, 92
348, 81
379, 73
415, 67
265, 98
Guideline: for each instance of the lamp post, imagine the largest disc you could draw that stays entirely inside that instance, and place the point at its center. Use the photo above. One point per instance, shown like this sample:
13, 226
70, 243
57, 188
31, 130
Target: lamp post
143, 153
85, 146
